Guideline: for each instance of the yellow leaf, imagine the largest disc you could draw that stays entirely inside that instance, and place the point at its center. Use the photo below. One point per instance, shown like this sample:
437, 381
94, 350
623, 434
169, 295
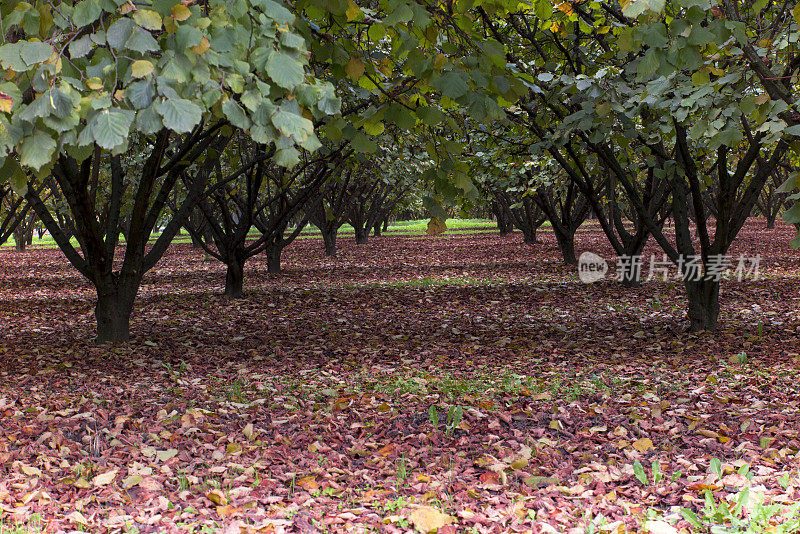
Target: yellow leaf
180, 12
169, 25
659, 527
354, 68
131, 481
126, 8
762, 99
233, 448
566, 7
141, 68
82, 483
167, 454
796, 13
30, 470
308, 483
227, 510
353, 11
248, 431
427, 519
77, 518
105, 479
217, 497
148, 19
94, 83
201, 48
707, 433
643, 444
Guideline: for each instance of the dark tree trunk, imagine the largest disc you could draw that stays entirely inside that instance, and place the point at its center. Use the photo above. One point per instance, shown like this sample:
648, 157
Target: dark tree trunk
703, 296
274, 258
377, 230
566, 244
386, 225
329, 239
362, 235
529, 235
19, 238
771, 219
113, 313
234, 279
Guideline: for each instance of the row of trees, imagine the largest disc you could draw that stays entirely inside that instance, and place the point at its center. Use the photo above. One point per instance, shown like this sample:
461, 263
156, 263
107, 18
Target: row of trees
226, 115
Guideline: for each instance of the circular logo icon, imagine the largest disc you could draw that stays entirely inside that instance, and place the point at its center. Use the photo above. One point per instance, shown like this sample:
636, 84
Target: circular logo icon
591, 267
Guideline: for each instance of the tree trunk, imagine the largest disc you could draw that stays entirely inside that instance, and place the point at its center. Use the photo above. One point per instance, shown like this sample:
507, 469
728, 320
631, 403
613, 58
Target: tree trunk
19, 237
529, 236
274, 258
329, 239
362, 235
234, 279
377, 230
386, 224
113, 314
771, 220
703, 296
566, 243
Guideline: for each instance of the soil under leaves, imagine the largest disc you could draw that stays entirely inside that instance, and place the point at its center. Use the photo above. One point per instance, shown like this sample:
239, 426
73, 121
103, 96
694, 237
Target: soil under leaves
468, 376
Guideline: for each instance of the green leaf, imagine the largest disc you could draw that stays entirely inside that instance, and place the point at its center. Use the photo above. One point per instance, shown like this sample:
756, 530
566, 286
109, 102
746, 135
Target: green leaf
141, 41
401, 13
276, 12
656, 36
15, 175
33, 53
452, 85
792, 215
789, 185
292, 125
86, 12
284, 70
36, 150
402, 117
10, 57
638, 471
51, 102
649, 64
715, 465
363, 144
119, 33
236, 114
110, 128
180, 115
287, 157
80, 47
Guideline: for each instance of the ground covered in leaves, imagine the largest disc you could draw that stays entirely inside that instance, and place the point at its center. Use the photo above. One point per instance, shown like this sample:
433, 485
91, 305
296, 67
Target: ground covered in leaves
467, 383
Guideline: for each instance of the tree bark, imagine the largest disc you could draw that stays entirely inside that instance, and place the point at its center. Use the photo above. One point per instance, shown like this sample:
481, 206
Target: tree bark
771, 220
529, 235
566, 244
362, 235
329, 239
234, 279
113, 314
703, 296
274, 259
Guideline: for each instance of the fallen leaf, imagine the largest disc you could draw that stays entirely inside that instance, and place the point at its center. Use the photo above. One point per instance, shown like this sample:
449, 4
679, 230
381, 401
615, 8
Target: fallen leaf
105, 478
426, 519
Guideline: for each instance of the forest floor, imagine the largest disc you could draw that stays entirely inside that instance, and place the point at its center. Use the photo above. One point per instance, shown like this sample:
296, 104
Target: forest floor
468, 382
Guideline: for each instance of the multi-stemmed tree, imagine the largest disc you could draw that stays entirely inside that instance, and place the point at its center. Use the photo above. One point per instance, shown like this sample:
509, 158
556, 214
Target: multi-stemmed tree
163, 79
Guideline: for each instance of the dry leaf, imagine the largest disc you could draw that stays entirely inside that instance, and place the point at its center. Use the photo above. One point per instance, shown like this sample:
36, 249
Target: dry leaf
427, 519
